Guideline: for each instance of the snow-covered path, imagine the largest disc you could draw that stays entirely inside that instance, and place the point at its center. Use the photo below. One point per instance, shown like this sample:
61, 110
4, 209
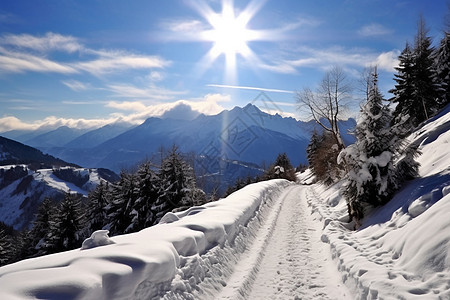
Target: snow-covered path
287, 259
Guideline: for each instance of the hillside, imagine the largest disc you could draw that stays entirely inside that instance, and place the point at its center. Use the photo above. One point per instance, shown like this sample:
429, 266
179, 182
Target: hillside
27, 177
233, 248
12, 152
22, 189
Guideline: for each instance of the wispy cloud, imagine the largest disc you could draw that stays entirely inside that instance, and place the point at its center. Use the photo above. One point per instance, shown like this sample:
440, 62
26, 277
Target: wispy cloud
250, 88
25, 53
17, 62
49, 42
374, 29
150, 92
117, 61
323, 58
75, 85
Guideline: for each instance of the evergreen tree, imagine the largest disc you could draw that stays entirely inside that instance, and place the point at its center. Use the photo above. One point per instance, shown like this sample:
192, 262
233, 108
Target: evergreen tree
371, 177
404, 89
21, 247
442, 66
96, 214
6, 248
311, 150
426, 86
41, 226
149, 189
66, 225
125, 193
417, 89
178, 187
281, 168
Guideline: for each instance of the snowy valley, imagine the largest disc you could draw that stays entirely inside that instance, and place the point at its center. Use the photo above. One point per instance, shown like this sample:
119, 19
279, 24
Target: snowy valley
235, 248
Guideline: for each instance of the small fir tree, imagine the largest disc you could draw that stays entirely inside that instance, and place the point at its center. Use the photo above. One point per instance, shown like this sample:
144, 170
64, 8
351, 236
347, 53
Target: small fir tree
281, 168
371, 177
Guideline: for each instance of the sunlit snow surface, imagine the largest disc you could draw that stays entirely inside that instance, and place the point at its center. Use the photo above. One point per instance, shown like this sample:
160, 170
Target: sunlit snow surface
403, 249
401, 252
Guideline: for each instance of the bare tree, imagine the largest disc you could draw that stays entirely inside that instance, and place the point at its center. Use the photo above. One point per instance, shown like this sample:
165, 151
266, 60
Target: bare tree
328, 103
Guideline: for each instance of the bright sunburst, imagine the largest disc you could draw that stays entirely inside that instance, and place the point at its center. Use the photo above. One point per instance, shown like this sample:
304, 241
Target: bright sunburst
229, 34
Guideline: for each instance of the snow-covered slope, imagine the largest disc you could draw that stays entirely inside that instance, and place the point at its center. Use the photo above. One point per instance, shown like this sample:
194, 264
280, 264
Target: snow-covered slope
189, 255
403, 249
23, 189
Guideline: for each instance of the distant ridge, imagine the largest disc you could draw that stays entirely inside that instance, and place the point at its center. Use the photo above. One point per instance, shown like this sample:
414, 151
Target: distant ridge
12, 153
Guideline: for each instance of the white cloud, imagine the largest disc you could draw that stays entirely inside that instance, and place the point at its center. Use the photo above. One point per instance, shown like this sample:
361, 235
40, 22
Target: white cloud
12, 123
127, 105
387, 60
25, 52
75, 85
374, 30
209, 104
155, 76
16, 62
151, 92
49, 42
325, 57
121, 61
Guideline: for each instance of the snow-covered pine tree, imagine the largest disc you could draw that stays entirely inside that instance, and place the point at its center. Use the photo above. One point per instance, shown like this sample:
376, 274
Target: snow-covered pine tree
178, 187
371, 177
149, 189
442, 66
96, 216
41, 226
124, 195
6, 248
281, 168
66, 225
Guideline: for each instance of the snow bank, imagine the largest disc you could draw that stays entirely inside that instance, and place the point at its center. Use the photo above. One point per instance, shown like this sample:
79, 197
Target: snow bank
189, 256
403, 249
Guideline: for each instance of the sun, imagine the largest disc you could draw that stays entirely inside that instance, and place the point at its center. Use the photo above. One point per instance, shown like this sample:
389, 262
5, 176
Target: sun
229, 34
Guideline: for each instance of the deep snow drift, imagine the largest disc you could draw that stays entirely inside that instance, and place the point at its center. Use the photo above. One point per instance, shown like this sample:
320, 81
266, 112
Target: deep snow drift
263, 242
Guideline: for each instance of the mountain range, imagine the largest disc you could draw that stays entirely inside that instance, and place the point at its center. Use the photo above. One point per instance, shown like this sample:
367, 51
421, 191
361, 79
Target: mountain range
234, 143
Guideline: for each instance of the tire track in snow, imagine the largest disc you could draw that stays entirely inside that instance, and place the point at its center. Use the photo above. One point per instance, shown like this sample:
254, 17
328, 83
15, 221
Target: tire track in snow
289, 259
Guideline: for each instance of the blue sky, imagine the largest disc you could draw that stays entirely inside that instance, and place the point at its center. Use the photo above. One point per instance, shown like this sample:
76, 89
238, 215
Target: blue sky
91, 62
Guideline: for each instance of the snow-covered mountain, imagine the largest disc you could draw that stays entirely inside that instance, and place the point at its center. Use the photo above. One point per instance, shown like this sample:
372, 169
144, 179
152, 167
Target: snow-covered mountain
264, 240
27, 176
22, 189
245, 135
95, 137
58, 137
